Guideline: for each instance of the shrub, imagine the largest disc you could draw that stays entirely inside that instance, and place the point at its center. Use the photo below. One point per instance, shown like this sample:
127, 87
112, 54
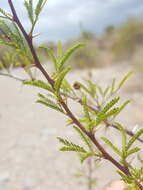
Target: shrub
99, 107
128, 38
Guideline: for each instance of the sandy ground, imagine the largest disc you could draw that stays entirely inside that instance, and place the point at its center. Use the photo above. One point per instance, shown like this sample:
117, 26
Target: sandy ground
29, 154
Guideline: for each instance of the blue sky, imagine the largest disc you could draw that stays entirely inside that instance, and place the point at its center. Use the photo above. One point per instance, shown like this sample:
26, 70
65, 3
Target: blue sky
60, 18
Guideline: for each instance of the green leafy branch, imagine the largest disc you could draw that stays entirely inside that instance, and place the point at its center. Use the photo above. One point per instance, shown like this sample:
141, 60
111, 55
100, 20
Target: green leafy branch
57, 86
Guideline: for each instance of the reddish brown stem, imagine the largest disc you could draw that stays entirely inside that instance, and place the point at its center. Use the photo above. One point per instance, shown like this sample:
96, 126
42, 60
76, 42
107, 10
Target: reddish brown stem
139, 185
94, 140
30, 44
130, 133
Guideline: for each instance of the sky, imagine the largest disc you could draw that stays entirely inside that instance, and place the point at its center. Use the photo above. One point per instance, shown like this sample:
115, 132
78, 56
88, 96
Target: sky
61, 19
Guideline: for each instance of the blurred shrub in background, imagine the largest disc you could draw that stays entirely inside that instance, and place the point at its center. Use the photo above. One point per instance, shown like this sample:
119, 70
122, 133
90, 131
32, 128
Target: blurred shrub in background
129, 37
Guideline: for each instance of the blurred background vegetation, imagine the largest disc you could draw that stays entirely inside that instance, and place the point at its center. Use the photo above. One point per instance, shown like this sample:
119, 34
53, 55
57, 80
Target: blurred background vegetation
117, 44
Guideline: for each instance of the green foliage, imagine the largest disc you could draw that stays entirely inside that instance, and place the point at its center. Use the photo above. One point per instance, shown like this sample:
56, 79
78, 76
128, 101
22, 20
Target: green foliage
16, 52
11, 36
108, 106
102, 117
39, 84
125, 78
107, 111
85, 139
49, 103
69, 146
29, 7
51, 55
4, 14
122, 107
85, 156
125, 152
98, 105
39, 7
60, 79
89, 121
132, 187
133, 150
134, 138
124, 138
109, 143
126, 179
34, 12
91, 88
65, 57
60, 60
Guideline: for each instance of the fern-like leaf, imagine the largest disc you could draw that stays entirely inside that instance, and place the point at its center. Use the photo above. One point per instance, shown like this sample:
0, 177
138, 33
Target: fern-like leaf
29, 8
110, 144
109, 105
48, 102
51, 55
132, 151
125, 78
39, 84
112, 87
102, 117
112, 112
60, 78
124, 137
5, 14
134, 138
75, 149
69, 146
86, 155
50, 105
92, 88
85, 107
39, 7
122, 107
64, 141
68, 54
84, 138
125, 178
106, 91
